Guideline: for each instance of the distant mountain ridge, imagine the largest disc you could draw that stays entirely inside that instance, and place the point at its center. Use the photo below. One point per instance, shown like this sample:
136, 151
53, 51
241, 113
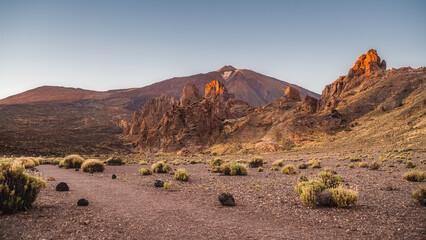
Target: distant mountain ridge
247, 85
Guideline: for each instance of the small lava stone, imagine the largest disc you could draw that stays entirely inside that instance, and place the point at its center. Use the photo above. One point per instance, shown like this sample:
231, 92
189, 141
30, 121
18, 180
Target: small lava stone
62, 187
83, 202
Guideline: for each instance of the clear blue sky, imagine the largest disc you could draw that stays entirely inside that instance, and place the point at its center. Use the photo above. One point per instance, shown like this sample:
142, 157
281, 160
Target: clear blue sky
107, 44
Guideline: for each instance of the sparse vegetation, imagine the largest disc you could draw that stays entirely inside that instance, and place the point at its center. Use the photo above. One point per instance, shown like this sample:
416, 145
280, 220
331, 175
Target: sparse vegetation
161, 167
72, 161
343, 197
115, 160
176, 162
414, 176
420, 195
302, 166
289, 170
93, 165
256, 162
374, 165
363, 165
410, 164
145, 171
274, 169
351, 165
354, 159
233, 169
278, 163
18, 190
309, 190
217, 162
330, 180
26, 162
303, 178
314, 163
260, 169
143, 162
182, 175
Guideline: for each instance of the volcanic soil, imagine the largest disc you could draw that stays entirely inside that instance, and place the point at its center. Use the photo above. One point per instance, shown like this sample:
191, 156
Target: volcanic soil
267, 207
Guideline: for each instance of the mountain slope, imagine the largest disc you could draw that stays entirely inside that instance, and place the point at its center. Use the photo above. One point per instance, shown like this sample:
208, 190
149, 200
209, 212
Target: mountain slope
247, 85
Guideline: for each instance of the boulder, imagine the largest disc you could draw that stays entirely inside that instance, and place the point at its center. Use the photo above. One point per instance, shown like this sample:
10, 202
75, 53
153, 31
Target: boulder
325, 198
309, 104
62, 187
82, 202
114, 176
226, 199
215, 89
159, 183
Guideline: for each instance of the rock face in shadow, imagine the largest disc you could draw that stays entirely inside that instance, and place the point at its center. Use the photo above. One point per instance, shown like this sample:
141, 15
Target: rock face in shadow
165, 125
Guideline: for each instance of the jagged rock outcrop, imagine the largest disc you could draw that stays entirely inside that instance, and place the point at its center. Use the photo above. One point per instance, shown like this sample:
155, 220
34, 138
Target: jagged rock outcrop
309, 104
292, 94
165, 125
153, 111
190, 94
369, 66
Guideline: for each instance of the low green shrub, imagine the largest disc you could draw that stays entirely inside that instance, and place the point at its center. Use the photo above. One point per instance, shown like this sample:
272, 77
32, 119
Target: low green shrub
303, 178
182, 175
314, 163
309, 191
289, 170
414, 176
26, 162
143, 162
278, 163
217, 162
330, 180
115, 160
233, 169
343, 197
374, 165
275, 168
420, 195
260, 169
176, 162
93, 165
410, 164
72, 161
161, 167
145, 171
354, 159
363, 165
256, 162
351, 165
302, 166
18, 190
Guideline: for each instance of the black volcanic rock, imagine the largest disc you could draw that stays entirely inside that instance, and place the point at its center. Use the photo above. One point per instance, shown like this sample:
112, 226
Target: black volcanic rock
226, 199
82, 202
62, 187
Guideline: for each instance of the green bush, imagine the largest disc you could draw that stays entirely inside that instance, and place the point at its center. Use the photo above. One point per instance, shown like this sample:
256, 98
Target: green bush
275, 168
420, 195
26, 162
289, 170
410, 164
143, 162
217, 162
145, 171
72, 161
278, 163
363, 164
233, 169
309, 191
414, 176
182, 175
18, 190
303, 178
343, 197
374, 165
114, 161
330, 180
93, 165
256, 162
260, 169
314, 163
161, 167
176, 162
302, 166
354, 159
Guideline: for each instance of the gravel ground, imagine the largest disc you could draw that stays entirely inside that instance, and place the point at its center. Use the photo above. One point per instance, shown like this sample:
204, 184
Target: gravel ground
267, 206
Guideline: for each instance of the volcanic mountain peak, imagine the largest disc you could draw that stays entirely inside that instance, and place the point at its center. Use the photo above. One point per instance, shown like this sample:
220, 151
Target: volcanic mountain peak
226, 68
366, 60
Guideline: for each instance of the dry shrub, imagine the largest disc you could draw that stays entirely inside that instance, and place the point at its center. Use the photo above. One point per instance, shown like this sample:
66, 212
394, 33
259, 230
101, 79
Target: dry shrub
93, 165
